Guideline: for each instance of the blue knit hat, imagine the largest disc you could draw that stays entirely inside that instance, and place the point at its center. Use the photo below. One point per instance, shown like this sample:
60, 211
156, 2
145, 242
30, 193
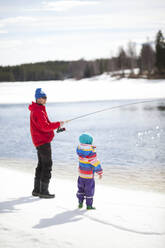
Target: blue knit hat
86, 139
39, 93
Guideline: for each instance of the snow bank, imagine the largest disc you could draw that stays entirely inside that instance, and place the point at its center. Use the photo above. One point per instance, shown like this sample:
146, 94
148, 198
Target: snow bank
123, 219
98, 88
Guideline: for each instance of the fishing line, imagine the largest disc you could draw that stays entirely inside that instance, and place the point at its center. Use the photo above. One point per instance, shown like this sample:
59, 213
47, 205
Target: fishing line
110, 108
105, 109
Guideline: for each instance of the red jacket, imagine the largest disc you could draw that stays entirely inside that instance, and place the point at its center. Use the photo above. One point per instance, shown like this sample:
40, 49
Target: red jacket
40, 126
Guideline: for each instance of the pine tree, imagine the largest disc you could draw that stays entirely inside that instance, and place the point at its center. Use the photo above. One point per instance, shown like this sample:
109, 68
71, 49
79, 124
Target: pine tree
122, 59
160, 52
147, 57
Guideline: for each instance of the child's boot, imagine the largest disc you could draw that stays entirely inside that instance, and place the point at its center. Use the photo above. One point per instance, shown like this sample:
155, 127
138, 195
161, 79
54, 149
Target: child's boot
80, 205
90, 208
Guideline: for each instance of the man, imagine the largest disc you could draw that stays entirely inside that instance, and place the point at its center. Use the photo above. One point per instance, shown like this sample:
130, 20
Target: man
42, 132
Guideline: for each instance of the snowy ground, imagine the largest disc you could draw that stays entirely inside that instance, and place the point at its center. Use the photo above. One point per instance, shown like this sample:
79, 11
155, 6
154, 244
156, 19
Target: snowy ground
102, 87
123, 219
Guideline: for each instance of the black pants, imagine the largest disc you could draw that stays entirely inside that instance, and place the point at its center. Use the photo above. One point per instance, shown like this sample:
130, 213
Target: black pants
44, 167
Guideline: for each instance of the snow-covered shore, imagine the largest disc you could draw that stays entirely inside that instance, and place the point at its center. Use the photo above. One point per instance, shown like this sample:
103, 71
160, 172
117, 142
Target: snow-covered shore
101, 87
123, 218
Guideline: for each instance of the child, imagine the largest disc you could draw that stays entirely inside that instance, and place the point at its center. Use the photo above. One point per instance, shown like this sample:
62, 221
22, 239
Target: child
88, 165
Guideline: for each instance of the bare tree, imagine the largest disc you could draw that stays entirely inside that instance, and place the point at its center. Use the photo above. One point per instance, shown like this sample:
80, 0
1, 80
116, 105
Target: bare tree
131, 52
77, 68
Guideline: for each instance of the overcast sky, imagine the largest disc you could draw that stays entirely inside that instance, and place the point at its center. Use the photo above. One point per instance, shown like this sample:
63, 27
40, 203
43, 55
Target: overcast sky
41, 30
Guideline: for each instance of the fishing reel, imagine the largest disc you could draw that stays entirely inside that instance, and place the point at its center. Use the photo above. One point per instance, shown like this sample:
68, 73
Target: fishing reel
60, 129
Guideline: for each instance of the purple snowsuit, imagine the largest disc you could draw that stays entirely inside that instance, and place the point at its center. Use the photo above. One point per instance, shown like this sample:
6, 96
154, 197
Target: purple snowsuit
86, 189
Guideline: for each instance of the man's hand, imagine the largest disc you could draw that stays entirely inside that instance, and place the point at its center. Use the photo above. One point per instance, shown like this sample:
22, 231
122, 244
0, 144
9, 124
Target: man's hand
61, 123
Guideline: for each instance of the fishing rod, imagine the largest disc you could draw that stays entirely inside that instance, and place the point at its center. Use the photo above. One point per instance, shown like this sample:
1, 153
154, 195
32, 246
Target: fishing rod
105, 109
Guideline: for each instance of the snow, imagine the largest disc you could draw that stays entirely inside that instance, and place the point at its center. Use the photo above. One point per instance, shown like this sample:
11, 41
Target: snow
122, 219
101, 87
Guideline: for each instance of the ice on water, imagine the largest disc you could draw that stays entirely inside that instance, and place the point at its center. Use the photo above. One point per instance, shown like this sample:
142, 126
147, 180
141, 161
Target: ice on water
149, 137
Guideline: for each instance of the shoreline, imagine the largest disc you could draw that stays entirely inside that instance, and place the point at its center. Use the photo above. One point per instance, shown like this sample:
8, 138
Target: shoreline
62, 91
111, 178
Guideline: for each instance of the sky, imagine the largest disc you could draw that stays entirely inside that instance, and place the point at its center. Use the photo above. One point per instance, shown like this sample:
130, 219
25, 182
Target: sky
42, 30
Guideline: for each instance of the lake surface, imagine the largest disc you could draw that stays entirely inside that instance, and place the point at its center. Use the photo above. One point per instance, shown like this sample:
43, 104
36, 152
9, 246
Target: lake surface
130, 141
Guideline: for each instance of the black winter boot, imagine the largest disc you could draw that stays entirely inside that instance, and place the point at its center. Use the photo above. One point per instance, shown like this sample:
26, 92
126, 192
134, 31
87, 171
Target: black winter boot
44, 193
36, 189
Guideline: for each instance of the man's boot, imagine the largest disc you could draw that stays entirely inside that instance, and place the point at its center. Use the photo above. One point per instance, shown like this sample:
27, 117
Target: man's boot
44, 193
36, 189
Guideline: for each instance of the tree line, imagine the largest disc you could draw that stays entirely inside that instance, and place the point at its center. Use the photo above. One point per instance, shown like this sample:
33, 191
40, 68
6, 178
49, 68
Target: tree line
150, 61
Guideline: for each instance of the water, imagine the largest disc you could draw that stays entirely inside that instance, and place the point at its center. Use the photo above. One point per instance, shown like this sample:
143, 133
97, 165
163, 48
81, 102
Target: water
130, 141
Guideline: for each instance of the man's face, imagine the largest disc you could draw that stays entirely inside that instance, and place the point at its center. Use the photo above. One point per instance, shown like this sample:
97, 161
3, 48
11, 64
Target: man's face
42, 100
